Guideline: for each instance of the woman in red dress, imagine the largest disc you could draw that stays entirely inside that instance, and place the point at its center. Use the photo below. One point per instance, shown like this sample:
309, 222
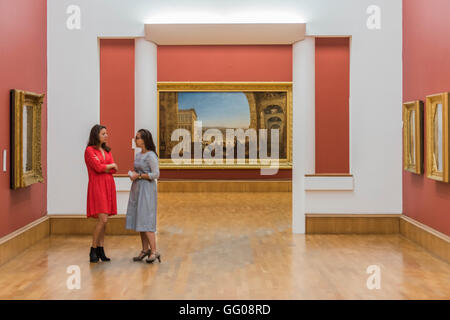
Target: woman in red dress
101, 195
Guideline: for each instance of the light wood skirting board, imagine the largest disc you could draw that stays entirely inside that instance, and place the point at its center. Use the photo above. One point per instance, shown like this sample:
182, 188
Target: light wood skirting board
224, 186
80, 225
16, 242
430, 239
352, 223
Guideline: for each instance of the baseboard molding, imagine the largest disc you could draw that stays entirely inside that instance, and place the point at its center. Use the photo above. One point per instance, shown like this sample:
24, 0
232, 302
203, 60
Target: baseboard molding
352, 223
224, 186
315, 224
431, 240
80, 225
435, 242
21, 239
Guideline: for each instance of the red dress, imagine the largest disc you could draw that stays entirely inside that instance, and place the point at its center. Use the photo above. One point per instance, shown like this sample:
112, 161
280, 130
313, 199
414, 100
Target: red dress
101, 195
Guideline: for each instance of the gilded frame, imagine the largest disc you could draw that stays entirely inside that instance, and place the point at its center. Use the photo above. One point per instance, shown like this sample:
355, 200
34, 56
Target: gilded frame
19, 177
229, 87
431, 106
415, 166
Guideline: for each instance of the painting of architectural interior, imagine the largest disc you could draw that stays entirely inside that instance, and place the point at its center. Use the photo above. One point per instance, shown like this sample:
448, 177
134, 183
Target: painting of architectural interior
199, 112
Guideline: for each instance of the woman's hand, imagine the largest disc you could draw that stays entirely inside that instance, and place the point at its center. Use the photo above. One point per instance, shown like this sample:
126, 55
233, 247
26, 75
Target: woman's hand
134, 176
112, 166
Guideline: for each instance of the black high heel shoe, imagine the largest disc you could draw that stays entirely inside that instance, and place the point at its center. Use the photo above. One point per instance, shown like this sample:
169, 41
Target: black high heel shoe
93, 257
101, 254
142, 255
153, 257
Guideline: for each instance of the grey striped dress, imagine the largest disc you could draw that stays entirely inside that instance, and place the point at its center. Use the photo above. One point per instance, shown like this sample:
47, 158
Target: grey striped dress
142, 204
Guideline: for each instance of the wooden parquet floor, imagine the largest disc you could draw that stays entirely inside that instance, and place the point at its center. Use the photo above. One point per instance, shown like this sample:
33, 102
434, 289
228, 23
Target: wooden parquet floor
229, 246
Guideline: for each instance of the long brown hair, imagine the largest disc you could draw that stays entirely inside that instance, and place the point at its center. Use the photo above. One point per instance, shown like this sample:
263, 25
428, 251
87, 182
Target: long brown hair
94, 139
148, 140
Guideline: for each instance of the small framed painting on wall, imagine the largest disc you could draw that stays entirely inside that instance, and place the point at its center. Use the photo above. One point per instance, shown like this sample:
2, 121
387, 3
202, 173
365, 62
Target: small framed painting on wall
413, 136
25, 135
437, 137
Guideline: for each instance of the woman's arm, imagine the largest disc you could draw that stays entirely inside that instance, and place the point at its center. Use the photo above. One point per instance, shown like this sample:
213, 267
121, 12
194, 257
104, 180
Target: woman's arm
94, 162
154, 166
112, 168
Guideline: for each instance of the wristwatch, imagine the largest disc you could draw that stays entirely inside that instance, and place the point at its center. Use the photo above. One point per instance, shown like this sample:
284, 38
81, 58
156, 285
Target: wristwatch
140, 176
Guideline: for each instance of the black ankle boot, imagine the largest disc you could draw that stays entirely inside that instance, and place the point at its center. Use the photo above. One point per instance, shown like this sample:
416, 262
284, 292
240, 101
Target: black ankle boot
101, 254
93, 255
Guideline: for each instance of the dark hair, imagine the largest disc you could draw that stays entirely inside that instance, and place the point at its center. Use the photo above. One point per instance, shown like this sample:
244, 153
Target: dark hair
94, 140
148, 140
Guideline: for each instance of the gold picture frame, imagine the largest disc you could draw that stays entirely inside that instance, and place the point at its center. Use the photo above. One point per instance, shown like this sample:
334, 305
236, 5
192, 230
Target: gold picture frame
438, 139
245, 87
26, 113
413, 136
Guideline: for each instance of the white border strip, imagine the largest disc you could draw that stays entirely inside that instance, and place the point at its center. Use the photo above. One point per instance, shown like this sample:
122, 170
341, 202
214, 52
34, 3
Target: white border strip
329, 183
4, 160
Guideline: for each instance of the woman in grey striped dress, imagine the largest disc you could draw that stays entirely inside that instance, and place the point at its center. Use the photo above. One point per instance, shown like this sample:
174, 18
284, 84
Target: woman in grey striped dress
142, 204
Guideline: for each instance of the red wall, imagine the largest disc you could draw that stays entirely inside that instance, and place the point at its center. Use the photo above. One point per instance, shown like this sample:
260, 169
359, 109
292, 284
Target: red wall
117, 98
332, 102
426, 70
23, 65
225, 63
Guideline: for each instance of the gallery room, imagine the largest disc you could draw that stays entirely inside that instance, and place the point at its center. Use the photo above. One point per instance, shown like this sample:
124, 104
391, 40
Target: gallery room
224, 150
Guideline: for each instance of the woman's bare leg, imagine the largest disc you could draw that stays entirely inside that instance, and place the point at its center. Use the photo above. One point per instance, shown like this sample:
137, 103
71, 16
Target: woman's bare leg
101, 237
101, 240
152, 240
144, 240
99, 231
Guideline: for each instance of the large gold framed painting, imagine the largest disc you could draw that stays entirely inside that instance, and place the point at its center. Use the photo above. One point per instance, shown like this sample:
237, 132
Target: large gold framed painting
26, 122
225, 125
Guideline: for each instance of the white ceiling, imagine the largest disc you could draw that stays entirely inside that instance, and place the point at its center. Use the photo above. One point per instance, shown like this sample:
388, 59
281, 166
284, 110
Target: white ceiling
225, 34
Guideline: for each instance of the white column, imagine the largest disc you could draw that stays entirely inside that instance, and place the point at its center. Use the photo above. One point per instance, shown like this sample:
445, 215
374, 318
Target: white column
145, 87
145, 106
303, 137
